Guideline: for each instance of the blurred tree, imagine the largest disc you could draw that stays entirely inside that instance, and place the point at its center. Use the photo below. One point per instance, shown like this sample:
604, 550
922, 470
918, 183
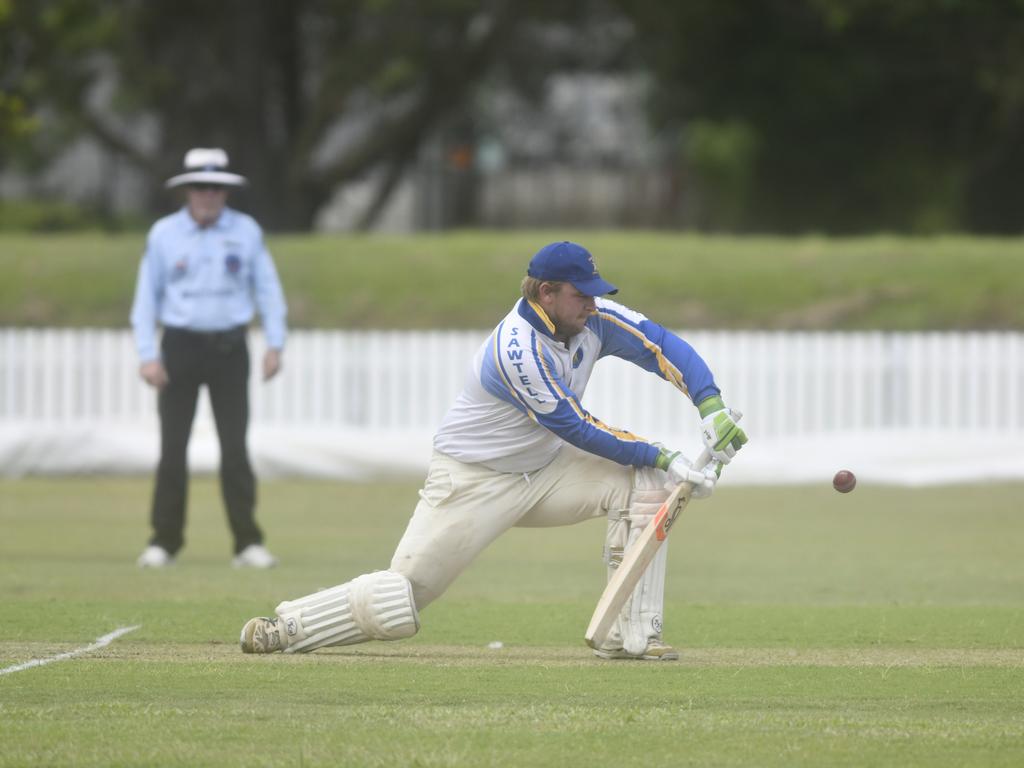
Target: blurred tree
48, 52
310, 93
835, 115
856, 114
305, 94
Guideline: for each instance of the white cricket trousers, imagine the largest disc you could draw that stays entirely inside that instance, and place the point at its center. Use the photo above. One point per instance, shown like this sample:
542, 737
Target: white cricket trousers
464, 507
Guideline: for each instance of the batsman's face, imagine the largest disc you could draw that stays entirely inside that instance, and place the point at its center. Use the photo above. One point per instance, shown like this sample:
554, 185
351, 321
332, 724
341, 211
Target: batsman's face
568, 309
205, 202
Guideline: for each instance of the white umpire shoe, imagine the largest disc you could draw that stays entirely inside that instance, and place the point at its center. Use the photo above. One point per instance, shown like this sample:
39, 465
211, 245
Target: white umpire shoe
254, 556
155, 557
262, 635
655, 651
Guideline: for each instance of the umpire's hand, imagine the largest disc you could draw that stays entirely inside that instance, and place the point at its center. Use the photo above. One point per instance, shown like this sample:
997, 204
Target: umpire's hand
154, 374
271, 363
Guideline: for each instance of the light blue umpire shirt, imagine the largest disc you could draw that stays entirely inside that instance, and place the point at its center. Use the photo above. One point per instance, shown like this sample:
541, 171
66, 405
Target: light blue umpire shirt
206, 279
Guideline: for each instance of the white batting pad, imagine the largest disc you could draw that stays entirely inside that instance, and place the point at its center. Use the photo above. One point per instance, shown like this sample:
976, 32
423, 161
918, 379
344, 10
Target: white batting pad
375, 606
640, 620
641, 617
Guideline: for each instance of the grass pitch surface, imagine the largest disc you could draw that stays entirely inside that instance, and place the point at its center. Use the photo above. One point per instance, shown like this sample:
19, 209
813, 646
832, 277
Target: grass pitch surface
885, 627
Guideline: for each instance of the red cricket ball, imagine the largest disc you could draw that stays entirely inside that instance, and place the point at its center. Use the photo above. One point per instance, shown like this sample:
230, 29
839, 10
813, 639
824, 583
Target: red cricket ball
844, 481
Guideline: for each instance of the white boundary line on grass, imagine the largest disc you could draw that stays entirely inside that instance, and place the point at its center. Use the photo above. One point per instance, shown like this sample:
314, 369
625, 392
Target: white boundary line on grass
107, 639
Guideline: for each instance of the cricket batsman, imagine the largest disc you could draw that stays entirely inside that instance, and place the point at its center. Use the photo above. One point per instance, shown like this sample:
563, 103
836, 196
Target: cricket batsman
518, 448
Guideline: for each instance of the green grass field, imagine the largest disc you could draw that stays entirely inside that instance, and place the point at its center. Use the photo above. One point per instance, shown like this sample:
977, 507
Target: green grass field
468, 279
885, 627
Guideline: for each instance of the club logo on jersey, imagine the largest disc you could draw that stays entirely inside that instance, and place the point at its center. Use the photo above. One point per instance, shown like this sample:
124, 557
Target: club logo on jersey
232, 263
577, 358
180, 268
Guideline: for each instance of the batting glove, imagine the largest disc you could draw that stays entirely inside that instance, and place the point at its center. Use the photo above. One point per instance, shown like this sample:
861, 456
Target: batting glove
720, 433
680, 470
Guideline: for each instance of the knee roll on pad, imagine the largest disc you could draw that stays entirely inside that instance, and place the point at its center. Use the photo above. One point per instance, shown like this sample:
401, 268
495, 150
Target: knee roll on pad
645, 499
648, 494
375, 606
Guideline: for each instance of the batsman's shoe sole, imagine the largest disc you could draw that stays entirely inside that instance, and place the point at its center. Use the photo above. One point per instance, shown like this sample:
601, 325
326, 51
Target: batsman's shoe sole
262, 635
653, 653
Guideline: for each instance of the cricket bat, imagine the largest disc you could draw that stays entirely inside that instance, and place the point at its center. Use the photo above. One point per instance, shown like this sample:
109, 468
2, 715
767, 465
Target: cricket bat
636, 560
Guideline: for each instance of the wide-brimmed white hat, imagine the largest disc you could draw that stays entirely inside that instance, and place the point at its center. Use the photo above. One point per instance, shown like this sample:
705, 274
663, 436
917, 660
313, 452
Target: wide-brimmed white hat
206, 166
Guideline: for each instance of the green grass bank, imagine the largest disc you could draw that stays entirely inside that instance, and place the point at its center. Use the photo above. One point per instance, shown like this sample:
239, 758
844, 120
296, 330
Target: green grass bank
467, 279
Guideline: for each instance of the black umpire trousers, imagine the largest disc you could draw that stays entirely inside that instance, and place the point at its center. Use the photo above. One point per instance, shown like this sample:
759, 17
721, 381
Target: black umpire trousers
221, 362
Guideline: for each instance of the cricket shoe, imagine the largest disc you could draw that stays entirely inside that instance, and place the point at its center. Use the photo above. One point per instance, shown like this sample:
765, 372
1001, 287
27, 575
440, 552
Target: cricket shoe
655, 651
254, 556
155, 557
263, 635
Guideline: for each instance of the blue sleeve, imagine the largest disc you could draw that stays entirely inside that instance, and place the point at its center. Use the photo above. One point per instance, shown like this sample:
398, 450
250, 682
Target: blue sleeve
631, 336
571, 422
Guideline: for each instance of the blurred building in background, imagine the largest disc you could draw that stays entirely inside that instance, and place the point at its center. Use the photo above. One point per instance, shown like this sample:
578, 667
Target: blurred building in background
583, 156
783, 116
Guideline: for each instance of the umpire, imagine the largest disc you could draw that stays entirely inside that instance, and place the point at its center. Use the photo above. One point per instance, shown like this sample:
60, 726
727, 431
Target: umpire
204, 274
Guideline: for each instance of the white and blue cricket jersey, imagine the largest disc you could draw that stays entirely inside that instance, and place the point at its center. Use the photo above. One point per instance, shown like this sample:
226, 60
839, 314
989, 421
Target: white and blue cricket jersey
206, 279
522, 395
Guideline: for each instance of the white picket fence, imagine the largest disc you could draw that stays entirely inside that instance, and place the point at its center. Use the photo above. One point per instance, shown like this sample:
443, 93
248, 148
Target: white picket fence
788, 383
397, 384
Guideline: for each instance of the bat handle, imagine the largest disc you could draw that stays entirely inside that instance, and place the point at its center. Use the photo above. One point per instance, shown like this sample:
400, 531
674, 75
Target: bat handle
702, 459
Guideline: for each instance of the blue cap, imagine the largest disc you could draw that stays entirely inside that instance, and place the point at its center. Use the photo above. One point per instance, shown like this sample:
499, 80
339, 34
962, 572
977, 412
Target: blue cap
567, 262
